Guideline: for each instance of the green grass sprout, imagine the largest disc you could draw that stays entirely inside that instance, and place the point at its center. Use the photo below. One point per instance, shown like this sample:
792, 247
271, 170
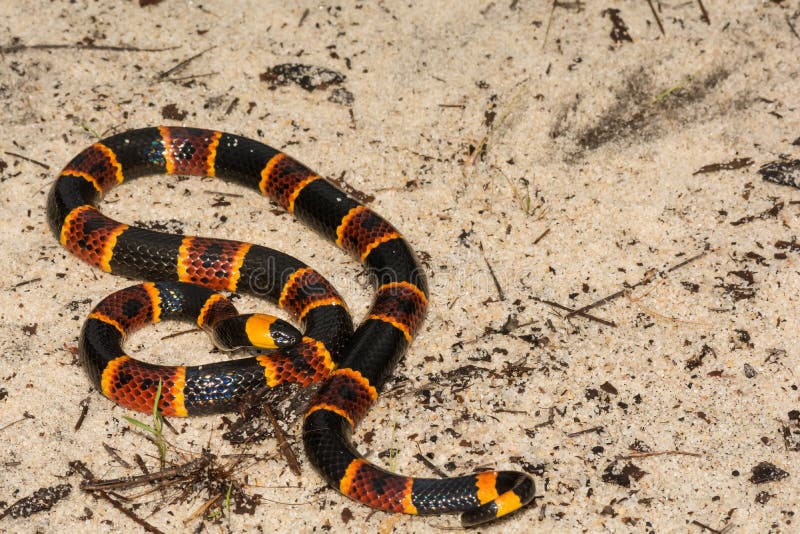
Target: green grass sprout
155, 431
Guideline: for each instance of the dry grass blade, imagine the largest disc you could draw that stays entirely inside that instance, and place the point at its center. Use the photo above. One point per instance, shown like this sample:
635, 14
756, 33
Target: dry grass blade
181, 471
283, 444
202, 509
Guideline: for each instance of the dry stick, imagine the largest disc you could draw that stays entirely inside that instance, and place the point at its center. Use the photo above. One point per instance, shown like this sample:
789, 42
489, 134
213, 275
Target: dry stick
140, 462
20, 156
240, 456
114, 454
191, 77
87, 476
704, 16
26, 282
613, 296
169, 425
181, 333
303, 18
84, 404
705, 527
283, 445
426, 157
542, 509
232, 105
135, 518
686, 262
658, 453
432, 466
573, 311
597, 429
182, 470
490, 332
12, 423
497, 286
111, 48
644, 281
549, 22
541, 236
551, 417
352, 118
202, 509
183, 64
791, 27
223, 193
658, 20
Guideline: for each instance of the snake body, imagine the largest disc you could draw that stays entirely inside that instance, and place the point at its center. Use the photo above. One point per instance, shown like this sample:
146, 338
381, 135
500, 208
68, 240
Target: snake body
352, 366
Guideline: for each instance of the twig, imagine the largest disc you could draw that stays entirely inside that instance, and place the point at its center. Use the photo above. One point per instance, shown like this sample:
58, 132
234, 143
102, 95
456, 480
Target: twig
658, 453
12, 423
549, 22
191, 76
114, 454
202, 509
541, 236
223, 193
649, 277
704, 16
135, 518
84, 404
182, 64
232, 106
92, 484
791, 27
140, 462
597, 429
613, 296
181, 333
26, 282
658, 19
26, 158
497, 285
705, 527
686, 262
426, 157
283, 445
167, 424
87, 475
432, 466
303, 18
110, 48
551, 417
573, 311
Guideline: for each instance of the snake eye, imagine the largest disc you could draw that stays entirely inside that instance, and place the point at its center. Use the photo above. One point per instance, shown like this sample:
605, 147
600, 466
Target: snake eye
284, 335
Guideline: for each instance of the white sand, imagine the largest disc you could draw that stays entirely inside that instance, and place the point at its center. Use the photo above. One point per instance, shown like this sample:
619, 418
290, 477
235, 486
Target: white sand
594, 142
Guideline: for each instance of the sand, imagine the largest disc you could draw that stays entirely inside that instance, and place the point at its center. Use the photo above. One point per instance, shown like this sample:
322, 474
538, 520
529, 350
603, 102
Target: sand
535, 158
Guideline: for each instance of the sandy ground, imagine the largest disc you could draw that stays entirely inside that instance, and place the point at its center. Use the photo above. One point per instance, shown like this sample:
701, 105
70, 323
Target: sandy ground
508, 137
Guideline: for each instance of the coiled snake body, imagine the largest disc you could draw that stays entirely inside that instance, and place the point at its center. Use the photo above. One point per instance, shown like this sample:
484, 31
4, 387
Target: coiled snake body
352, 366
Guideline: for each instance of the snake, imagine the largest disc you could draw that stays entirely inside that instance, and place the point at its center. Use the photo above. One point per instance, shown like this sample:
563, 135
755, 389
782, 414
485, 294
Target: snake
187, 275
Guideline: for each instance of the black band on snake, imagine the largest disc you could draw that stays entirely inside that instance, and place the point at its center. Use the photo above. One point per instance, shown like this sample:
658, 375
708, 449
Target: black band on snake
352, 366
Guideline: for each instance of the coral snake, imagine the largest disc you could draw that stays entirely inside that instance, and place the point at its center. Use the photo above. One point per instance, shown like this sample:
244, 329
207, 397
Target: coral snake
352, 366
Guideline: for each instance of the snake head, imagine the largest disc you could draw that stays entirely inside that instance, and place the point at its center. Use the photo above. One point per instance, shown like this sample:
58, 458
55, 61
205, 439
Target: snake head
254, 330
